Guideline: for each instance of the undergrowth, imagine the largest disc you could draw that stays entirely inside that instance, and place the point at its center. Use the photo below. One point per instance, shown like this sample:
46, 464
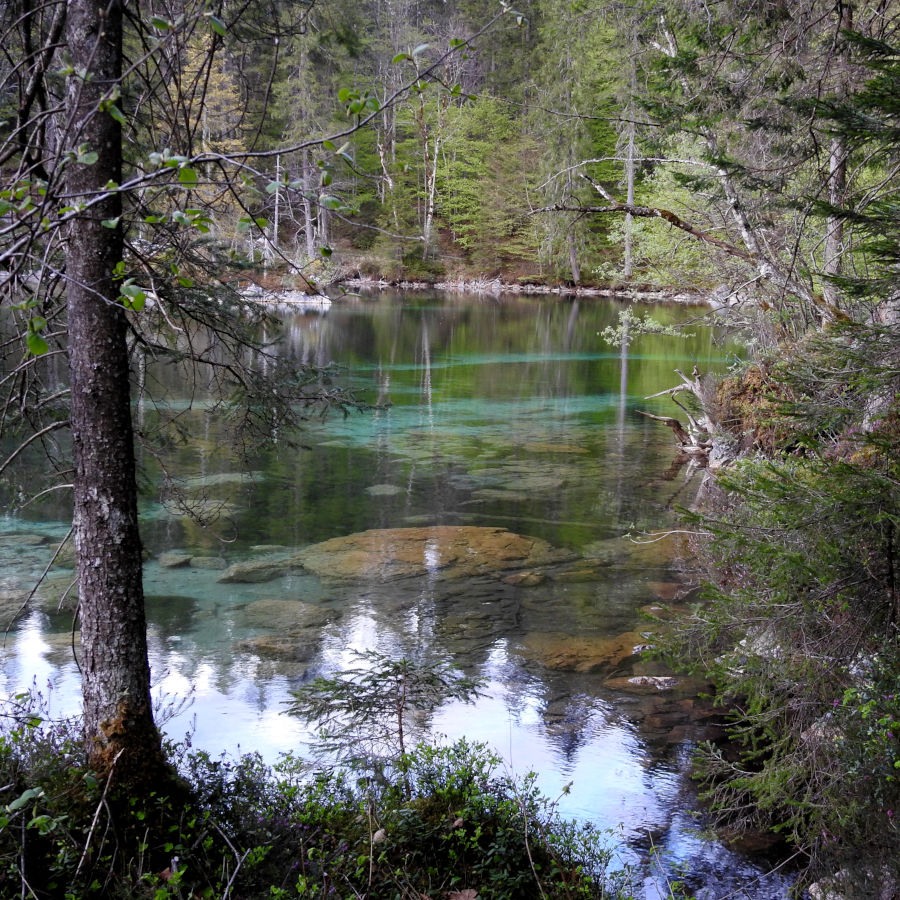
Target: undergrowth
458, 826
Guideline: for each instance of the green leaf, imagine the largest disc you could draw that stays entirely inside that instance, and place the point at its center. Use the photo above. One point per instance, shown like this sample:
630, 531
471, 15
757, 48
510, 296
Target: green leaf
37, 323
326, 179
325, 251
217, 25
89, 158
111, 223
184, 281
328, 145
132, 297
160, 23
400, 57
261, 222
330, 202
27, 797
344, 95
187, 176
272, 187
116, 113
37, 346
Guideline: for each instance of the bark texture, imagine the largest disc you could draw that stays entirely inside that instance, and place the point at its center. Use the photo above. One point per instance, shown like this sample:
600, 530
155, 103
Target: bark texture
118, 720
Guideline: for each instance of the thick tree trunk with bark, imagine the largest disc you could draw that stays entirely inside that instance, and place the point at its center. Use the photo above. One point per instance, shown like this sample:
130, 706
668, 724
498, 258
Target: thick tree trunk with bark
118, 720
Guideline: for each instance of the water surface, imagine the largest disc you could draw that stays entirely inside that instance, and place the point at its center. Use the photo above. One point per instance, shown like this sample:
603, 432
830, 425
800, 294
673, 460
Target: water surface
489, 412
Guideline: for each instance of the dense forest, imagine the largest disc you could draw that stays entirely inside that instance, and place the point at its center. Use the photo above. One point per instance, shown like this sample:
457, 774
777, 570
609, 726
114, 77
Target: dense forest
157, 157
679, 144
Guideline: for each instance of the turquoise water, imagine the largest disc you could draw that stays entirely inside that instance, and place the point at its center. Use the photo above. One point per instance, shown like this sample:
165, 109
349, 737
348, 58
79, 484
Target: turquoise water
486, 413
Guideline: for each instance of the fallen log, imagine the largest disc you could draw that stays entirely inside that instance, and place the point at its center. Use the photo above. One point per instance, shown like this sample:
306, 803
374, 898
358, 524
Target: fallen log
681, 435
690, 443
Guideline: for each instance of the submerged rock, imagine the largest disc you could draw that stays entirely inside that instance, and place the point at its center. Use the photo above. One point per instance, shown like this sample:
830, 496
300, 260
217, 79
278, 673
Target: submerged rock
606, 552
446, 551
667, 591
646, 552
525, 579
582, 572
285, 615
644, 683
22, 540
557, 650
292, 646
12, 600
174, 559
254, 571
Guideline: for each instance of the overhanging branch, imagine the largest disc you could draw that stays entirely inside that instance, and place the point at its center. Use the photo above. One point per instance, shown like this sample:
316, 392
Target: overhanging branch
653, 212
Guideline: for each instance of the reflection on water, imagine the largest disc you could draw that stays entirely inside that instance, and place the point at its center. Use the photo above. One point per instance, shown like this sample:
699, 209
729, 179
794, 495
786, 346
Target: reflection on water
495, 420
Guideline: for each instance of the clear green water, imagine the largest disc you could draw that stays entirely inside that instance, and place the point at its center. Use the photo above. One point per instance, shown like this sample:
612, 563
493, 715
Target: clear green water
493, 412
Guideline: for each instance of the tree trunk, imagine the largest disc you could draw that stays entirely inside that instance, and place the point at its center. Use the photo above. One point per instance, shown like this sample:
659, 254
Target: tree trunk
834, 227
574, 267
837, 178
309, 227
276, 224
118, 722
628, 266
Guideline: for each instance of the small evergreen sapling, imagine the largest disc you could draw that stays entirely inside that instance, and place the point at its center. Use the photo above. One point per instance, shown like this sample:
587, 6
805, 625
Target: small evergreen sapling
374, 714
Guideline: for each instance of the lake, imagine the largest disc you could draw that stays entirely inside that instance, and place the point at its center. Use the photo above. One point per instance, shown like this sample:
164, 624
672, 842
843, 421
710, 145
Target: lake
492, 418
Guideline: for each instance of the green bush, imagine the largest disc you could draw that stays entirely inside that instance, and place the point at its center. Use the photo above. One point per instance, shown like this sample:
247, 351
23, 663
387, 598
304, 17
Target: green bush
801, 626
244, 829
417, 269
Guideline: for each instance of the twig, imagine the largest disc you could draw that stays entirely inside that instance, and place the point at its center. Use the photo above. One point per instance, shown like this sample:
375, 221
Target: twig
537, 880
664, 534
90, 834
38, 584
234, 874
37, 435
49, 490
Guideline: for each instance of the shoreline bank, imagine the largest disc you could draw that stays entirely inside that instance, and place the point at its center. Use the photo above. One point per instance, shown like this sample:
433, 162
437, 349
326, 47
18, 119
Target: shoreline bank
496, 286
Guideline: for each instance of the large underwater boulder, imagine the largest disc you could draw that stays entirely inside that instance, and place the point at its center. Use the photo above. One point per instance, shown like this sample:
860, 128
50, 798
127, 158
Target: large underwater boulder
444, 551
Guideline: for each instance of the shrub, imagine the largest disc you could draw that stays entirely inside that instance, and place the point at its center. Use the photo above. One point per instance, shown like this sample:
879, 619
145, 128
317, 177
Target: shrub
244, 829
800, 631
